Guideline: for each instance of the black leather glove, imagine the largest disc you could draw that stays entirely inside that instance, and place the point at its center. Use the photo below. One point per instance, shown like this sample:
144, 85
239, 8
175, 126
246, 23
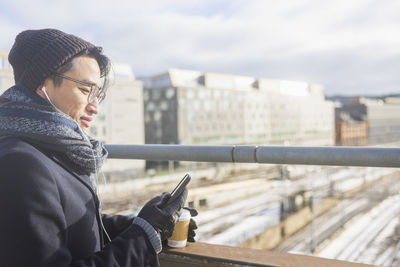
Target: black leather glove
192, 224
162, 215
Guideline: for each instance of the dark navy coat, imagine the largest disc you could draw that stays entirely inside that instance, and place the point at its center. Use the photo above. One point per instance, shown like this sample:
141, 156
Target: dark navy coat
49, 215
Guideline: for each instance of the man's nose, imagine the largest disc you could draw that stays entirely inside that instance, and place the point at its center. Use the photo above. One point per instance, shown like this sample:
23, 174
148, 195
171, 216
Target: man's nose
93, 107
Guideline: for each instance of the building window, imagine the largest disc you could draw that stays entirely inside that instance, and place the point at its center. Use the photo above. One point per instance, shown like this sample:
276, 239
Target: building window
201, 94
190, 93
157, 115
164, 105
207, 105
147, 117
196, 105
190, 116
150, 106
156, 94
170, 93
101, 117
225, 104
146, 95
4, 63
93, 130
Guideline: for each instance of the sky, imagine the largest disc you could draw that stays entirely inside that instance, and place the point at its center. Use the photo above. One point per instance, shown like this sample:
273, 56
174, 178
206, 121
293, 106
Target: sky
349, 46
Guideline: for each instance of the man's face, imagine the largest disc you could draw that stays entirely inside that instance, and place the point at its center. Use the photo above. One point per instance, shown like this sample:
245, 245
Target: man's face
71, 97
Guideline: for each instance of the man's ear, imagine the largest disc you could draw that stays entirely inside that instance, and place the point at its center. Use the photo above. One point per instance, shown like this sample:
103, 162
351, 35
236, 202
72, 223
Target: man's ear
40, 92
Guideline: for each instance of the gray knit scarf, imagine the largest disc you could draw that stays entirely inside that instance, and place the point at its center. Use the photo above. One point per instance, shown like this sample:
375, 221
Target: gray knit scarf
26, 115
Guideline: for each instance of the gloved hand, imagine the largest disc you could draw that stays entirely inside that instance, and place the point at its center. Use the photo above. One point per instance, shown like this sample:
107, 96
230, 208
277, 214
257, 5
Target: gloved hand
192, 224
162, 215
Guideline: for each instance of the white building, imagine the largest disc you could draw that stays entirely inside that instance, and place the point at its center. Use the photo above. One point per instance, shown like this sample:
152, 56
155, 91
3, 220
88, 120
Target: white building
6, 72
120, 120
189, 107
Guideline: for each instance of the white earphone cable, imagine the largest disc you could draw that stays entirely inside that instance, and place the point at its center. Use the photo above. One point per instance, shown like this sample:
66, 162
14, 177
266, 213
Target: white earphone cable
95, 180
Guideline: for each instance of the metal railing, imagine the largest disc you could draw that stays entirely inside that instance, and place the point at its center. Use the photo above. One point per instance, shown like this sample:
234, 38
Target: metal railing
335, 156
216, 255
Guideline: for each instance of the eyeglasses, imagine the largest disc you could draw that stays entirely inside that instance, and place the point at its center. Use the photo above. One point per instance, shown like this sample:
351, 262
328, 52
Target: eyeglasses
95, 91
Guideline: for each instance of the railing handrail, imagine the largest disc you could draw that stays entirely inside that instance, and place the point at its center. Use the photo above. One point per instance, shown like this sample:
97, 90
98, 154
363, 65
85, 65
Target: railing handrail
203, 254
335, 156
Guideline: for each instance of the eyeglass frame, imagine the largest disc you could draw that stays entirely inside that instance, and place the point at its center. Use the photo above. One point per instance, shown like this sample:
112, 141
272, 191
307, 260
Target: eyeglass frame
100, 95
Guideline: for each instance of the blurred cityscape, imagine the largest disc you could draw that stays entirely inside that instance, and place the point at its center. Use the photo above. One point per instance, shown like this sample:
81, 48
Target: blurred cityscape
335, 212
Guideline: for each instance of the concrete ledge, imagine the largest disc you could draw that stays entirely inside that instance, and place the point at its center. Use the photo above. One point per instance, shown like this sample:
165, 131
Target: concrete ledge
202, 254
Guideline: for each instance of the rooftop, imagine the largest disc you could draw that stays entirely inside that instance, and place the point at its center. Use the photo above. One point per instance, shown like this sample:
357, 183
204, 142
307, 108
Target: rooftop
187, 78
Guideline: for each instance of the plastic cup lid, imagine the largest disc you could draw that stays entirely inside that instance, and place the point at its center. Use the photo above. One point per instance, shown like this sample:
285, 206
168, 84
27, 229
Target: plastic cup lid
185, 215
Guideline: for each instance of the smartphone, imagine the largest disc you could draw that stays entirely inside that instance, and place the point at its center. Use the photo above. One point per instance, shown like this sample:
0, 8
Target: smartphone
179, 188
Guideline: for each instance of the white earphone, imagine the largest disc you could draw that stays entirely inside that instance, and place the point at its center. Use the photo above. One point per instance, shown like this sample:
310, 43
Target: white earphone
47, 96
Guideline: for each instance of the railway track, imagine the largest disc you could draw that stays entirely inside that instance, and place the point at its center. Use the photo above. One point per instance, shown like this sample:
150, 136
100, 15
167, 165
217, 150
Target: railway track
234, 211
332, 221
362, 240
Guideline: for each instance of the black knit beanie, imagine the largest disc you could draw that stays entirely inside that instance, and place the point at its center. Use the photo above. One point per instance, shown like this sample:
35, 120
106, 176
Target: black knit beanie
36, 54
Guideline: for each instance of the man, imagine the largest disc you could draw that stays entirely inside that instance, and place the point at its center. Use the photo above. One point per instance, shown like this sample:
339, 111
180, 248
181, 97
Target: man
50, 213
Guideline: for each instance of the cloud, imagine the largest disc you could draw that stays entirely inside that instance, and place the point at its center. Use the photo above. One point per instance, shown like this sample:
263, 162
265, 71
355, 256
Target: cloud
349, 46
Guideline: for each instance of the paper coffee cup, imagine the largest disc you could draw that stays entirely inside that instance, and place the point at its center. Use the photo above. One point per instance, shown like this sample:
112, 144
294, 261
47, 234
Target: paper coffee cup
180, 234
